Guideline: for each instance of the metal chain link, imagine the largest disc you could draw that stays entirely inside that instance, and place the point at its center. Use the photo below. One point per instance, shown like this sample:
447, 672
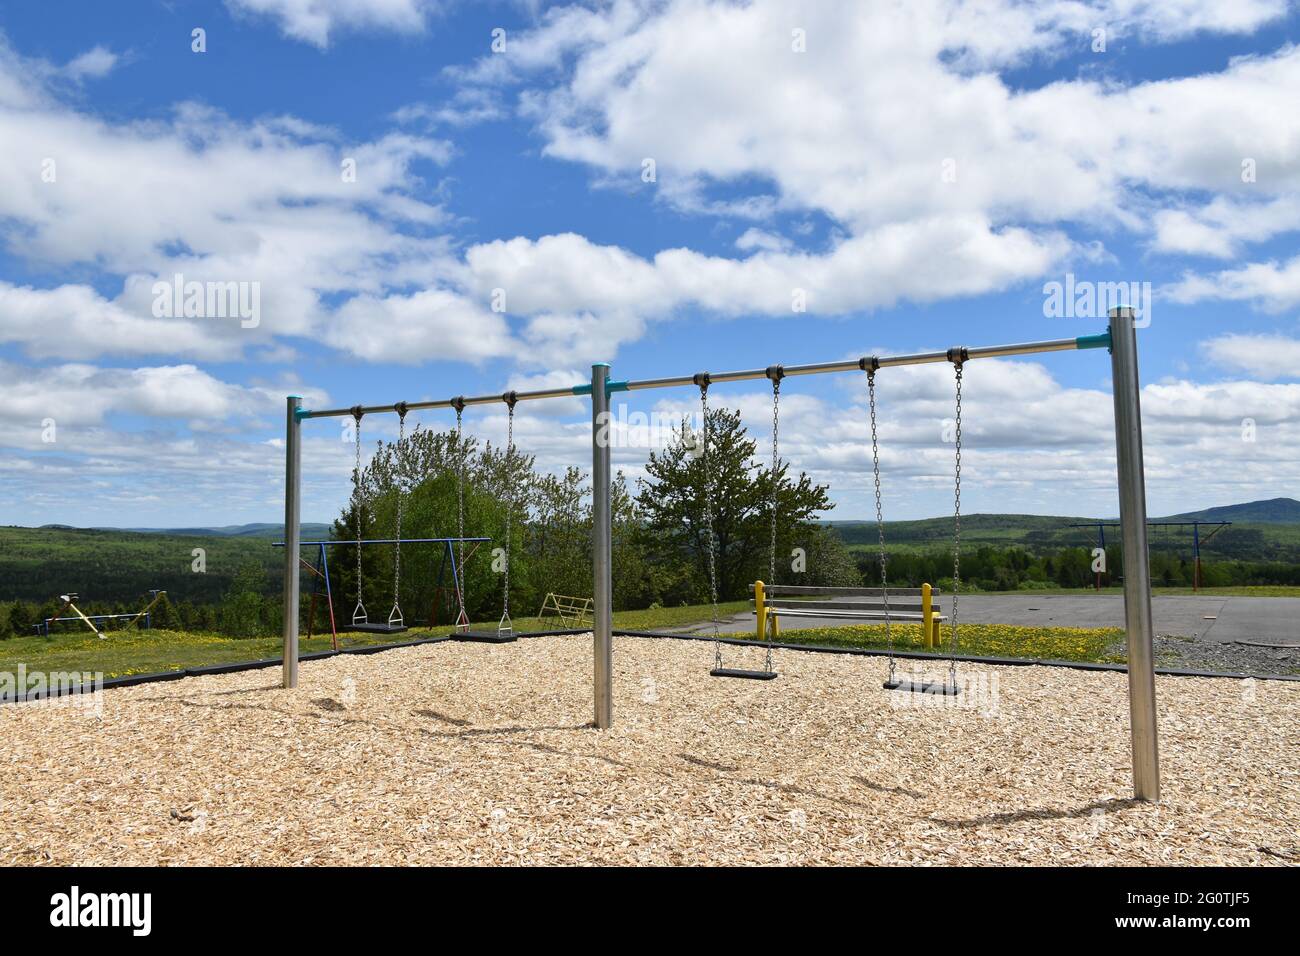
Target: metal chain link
880, 522
395, 616
460, 512
776, 461
708, 524
359, 612
776, 464
956, 541
510, 507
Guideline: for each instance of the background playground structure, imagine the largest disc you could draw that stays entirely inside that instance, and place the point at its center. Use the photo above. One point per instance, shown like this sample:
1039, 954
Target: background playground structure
1214, 526
68, 602
322, 588
572, 611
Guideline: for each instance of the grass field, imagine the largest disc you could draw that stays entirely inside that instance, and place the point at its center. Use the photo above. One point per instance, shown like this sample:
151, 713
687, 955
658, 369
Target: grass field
979, 640
126, 653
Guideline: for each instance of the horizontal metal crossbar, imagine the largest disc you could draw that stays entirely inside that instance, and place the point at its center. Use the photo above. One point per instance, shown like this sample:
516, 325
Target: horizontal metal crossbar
303, 544
844, 605
849, 615
795, 589
958, 354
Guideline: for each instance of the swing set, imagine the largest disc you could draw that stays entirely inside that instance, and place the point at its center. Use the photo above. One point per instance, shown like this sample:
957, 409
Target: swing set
1120, 340
924, 612
454, 553
322, 591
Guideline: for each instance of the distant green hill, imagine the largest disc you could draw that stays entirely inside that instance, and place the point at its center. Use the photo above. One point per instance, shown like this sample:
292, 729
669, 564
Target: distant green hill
1273, 511
276, 531
37, 564
1245, 540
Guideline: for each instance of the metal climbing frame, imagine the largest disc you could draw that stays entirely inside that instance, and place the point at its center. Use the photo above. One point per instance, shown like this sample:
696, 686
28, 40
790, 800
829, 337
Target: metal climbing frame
1120, 339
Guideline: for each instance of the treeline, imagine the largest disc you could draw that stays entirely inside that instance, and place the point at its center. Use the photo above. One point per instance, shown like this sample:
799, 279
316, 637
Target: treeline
989, 568
249, 608
1040, 535
115, 567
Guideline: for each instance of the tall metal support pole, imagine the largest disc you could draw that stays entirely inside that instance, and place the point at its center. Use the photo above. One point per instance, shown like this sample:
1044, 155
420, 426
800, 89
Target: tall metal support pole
1137, 567
292, 535
602, 548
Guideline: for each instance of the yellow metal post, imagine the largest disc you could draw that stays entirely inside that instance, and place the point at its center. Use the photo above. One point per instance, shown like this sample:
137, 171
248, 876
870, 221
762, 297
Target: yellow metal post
760, 610
927, 618
90, 624
149, 607
774, 631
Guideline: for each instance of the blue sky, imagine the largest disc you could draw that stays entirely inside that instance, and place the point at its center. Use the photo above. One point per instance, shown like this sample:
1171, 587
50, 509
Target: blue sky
919, 171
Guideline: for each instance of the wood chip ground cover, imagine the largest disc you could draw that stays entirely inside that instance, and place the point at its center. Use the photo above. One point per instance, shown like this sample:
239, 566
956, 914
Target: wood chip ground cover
480, 754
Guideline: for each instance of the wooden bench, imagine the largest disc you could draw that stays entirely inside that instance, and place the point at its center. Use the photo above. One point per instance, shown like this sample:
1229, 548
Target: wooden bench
772, 602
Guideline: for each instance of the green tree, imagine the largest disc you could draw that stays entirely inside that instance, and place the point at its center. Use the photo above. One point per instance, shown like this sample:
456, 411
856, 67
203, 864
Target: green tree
671, 503
243, 607
828, 562
164, 613
422, 471
21, 618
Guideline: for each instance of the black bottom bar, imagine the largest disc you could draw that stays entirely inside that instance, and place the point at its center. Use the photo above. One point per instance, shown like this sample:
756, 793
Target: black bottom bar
747, 675
922, 687
377, 628
486, 637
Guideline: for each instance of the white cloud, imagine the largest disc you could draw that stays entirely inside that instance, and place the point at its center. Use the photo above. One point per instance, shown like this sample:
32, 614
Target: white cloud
80, 395
1265, 357
466, 107
1031, 444
586, 299
1274, 287
759, 240
94, 63
414, 328
206, 196
315, 21
713, 93
1221, 227
75, 322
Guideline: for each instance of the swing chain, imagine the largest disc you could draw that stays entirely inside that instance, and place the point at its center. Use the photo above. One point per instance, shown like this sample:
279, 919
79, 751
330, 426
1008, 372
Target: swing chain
396, 615
775, 373
956, 532
510, 400
880, 520
359, 612
703, 381
460, 507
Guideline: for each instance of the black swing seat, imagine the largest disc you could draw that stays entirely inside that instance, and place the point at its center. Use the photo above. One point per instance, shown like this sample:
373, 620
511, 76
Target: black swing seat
747, 675
378, 627
922, 687
486, 637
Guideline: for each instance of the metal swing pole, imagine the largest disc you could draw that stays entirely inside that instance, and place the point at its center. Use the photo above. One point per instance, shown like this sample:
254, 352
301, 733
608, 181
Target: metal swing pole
292, 536
1137, 566
602, 549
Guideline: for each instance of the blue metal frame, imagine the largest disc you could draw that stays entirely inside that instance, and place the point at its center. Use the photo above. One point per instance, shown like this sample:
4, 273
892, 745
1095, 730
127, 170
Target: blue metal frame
43, 628
321, 570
